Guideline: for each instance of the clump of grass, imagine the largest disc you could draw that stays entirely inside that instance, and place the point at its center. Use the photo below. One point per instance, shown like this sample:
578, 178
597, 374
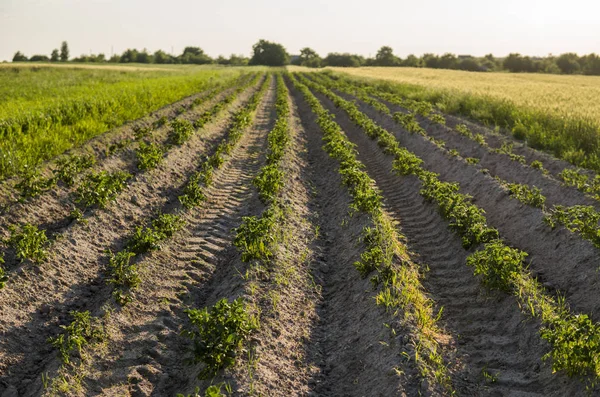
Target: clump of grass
254, 235
578, 218
499, 265
28, 242
3, 275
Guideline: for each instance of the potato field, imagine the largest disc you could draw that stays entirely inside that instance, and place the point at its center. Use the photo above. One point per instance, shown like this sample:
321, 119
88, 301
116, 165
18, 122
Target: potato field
261, 232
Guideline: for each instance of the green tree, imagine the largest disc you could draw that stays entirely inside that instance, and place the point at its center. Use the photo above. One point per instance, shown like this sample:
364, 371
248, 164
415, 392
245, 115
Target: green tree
64, 52
343, 60
447, 61
385, 57
143, 57
195, 55
55, 57
568, 63
238, 60
162, 57
432, 61
309, 58
269, 54
19, 57
591, 64
130, 55
39, 58
411, 61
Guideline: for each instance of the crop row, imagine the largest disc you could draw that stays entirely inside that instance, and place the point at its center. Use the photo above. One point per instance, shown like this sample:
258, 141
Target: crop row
220, 331
574, 338
99, 189
68, 168
396, 275
28, 138
580, 219
574, 139
580, 179
123, 268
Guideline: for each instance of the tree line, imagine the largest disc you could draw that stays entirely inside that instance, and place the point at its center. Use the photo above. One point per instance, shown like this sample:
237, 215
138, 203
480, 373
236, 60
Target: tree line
274, 54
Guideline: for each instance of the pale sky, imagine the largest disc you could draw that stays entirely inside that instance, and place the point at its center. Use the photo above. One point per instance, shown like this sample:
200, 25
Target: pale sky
476, 27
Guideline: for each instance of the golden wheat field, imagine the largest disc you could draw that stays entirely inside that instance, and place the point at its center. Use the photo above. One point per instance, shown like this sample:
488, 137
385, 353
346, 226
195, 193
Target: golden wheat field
558, 94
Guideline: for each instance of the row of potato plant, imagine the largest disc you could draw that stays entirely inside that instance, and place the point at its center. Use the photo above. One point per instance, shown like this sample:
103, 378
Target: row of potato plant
193, 193
37, 130
96, 189
220, 331
397, 277
580, 179
578, 218
572, 139
124, 276
67, 169
574, 338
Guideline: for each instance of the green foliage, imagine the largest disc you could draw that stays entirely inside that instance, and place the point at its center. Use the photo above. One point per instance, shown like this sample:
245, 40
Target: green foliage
193, 193
124, 275
255, 235
269, 182
269, 54
84, 330
378, 253
3, 275
28, 242
466, 218
101, 188
472, 160
506, 149
71, 166
575, 341
578, 218
437, 118
141, 132
149, 156
51, 110
146, 239
537, 165
32, 184
408, 122
527, 195
181, 131
498, 265
218, 333
463, 130
76, 215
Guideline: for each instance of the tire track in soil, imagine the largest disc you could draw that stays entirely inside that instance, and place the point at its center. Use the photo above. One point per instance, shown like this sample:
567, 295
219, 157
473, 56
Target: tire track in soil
493, 335
351, 349
40, 298
198, 268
